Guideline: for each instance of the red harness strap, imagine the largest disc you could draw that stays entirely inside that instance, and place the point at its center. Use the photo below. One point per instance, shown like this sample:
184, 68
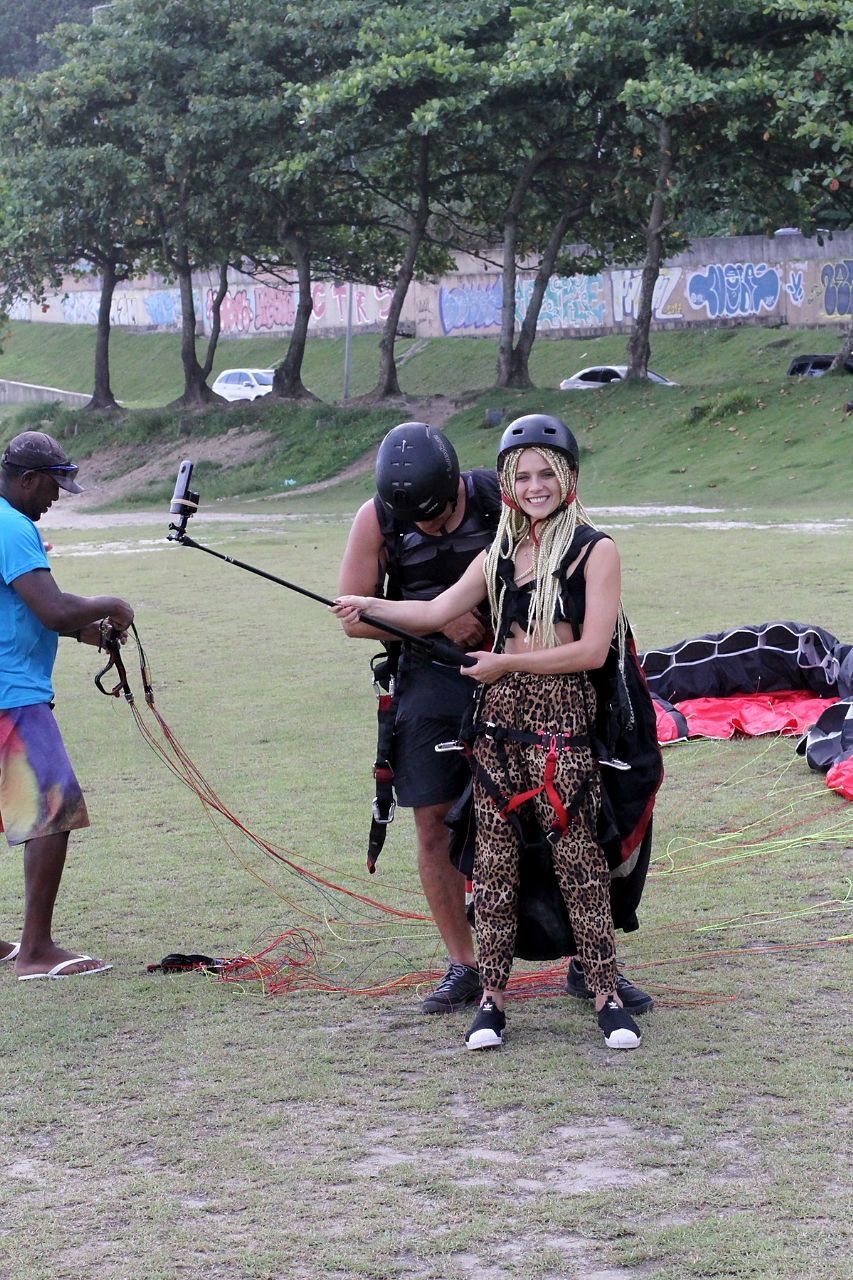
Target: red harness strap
516, 801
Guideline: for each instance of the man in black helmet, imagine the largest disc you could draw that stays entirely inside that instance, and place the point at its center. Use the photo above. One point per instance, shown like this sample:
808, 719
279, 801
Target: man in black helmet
40, 798
416, 537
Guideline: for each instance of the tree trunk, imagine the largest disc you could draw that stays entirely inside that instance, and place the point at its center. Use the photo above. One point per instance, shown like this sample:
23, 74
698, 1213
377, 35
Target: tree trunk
518, 374
388, 383
839, 363
215, 320
509, 372
287, 380
196, 392
639, 349
102, 396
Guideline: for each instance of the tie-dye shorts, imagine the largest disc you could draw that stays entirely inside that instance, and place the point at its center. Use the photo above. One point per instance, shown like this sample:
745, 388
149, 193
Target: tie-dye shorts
39, 794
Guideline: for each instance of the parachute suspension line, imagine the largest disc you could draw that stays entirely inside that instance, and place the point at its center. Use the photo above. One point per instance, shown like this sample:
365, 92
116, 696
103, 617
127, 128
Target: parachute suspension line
830, 907
183, 768
293, 957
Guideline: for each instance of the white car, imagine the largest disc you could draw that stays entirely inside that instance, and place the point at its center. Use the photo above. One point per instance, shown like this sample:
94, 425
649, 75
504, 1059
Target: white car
243, 384
600, 374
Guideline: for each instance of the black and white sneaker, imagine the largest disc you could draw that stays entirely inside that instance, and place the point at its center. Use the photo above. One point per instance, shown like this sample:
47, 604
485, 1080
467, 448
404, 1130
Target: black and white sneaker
486, 1031
460, 986
634, 999
620, 1029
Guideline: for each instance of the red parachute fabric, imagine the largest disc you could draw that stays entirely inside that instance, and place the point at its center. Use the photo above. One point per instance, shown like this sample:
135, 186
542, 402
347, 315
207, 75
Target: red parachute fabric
667, 726
752, 714
840, 778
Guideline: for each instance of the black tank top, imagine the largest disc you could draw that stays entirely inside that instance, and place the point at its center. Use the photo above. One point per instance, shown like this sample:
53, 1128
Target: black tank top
571, 602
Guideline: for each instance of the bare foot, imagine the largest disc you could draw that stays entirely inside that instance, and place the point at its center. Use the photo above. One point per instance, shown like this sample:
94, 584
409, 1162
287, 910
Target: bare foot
71, 963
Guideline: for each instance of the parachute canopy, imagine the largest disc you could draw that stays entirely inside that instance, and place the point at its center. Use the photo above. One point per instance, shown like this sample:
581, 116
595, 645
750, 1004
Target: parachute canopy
775, 677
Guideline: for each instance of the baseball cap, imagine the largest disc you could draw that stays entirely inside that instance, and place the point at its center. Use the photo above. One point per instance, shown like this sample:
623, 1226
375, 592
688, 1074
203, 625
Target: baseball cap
37, 451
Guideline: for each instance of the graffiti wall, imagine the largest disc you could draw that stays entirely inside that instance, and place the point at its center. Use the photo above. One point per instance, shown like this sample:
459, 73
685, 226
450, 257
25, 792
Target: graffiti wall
259, 309
783, 279
249, 309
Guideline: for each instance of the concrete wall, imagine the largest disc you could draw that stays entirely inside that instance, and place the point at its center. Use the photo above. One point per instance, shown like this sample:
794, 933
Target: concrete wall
250, 309
28, 393
786, 279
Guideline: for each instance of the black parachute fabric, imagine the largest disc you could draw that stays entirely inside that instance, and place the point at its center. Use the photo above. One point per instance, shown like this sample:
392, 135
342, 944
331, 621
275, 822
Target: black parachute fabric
830, 739
767, 658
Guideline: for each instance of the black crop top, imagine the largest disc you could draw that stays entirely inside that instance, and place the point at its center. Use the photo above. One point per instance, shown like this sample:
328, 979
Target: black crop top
571, 602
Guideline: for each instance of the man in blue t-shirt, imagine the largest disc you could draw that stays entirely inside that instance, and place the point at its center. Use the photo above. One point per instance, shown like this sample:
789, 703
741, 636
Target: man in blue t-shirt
40, 798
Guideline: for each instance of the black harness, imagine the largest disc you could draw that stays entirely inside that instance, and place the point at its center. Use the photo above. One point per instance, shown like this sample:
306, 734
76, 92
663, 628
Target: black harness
418, 567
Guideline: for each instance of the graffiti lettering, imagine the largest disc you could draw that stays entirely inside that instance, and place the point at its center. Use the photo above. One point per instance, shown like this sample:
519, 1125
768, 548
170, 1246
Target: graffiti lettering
80, 307
734, 289
124, 309
626, 287
795, 288
837, 281
163, 307
274, 308
383, 298
235, 314
339, 293
570, 302
470, 306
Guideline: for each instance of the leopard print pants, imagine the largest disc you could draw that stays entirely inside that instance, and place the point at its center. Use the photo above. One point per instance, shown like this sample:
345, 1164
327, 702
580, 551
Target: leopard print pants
556, 703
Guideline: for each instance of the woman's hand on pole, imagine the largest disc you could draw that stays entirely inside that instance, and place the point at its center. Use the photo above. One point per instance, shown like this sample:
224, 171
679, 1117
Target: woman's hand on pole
488, 667
348, 609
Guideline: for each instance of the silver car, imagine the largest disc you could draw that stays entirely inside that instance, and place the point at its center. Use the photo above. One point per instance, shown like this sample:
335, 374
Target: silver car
599, 375
243, 384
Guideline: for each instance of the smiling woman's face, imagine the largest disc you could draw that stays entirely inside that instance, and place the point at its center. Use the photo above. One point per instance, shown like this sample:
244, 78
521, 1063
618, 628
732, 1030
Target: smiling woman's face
537, 487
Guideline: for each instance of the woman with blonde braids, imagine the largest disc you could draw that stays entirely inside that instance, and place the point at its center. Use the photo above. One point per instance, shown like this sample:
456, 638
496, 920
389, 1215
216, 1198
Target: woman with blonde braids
553, 582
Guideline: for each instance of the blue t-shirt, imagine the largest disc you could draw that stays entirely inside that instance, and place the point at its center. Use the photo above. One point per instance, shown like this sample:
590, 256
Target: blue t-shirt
27, 647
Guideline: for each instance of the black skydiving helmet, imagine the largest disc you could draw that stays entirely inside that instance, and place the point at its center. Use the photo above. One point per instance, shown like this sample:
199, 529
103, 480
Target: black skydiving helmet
417, 472
539, 430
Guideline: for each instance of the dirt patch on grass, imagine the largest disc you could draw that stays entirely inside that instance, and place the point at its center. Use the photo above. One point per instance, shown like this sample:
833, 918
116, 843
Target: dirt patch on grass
116, 471
113, 473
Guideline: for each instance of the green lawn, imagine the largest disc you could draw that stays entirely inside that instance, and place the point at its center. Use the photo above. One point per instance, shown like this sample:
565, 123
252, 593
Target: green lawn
161, 1127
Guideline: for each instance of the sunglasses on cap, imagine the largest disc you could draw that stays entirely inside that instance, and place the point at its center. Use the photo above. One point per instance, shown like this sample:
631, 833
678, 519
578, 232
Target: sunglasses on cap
69, 469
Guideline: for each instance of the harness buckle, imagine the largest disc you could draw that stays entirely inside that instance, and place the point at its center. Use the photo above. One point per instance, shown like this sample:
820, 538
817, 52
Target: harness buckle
377, 813
382, 692
453, 745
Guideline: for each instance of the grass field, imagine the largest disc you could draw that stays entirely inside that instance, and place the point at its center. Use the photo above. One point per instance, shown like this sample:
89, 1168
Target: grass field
171, 1126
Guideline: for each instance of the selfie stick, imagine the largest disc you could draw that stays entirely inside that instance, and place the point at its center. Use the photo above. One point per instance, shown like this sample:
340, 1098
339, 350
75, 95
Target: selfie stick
185, 504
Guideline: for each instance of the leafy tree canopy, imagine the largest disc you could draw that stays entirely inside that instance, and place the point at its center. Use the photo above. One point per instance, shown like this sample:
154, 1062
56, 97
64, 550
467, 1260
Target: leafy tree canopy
21, 24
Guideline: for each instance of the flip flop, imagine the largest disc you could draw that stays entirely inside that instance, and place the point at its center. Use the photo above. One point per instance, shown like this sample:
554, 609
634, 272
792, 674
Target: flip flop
56, 971
16, 947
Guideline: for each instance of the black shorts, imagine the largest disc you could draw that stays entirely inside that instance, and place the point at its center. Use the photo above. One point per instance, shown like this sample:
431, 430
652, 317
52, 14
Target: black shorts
432, 702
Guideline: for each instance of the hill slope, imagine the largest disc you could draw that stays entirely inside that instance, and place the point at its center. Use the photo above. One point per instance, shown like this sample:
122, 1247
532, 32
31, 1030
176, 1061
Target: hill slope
736, 429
